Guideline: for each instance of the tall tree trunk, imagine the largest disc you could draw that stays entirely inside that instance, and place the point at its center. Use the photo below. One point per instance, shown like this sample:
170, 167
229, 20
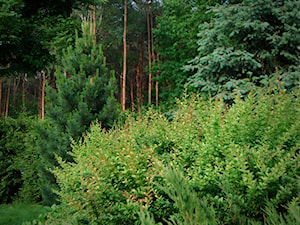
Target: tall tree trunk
149, 54
156, 85
40, 96
132, 92
43, 95
15, 88
139, 72
23, 93
123, 95
152, 36
137, 82
41, 101
7, 100
95, 23
0, 97
91, 19
153, 55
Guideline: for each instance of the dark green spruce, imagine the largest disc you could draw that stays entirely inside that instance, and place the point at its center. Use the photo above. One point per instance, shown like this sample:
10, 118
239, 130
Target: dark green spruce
245, 45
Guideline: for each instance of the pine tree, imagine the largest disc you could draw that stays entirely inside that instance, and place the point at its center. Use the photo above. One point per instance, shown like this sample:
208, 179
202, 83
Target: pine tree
84, 93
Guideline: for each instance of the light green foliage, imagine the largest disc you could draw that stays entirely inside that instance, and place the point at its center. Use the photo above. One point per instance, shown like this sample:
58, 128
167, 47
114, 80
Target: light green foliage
245, 154
112, 174
292, 217
236, 158
147, 219
192, 210
212, 164
245, 45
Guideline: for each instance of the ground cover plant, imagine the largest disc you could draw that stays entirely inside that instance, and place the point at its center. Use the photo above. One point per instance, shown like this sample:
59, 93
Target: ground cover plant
18, 213
212, 164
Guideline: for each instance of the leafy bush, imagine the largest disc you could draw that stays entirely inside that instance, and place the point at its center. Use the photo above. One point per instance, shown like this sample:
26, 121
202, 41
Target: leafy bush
10, 177
241, 157
192, 210
223, 164
196, 211
292, 217
112, 176
19, 160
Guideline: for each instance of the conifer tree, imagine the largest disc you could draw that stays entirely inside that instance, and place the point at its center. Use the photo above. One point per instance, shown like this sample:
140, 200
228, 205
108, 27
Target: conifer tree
247, 44
85, 90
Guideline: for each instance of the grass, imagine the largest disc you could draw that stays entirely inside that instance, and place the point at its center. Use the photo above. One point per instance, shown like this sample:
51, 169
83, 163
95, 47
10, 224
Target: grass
16, 214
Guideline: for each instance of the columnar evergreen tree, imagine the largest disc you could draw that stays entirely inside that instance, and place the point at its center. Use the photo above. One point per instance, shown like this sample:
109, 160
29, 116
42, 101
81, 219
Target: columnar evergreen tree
246, 44
84, 93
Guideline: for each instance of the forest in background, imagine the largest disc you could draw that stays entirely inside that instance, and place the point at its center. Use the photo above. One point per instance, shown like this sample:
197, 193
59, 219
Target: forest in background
35, 34
107, 105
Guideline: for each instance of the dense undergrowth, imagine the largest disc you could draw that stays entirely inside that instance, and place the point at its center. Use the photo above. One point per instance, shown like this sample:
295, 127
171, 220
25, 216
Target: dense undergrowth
19, 160
211, 164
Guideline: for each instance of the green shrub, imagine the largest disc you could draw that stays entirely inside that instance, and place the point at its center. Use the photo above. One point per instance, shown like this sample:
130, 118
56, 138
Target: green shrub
19, 160
192, 210
232, 163
249, 153
240, 157
291, 217
10, 177
112, 176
